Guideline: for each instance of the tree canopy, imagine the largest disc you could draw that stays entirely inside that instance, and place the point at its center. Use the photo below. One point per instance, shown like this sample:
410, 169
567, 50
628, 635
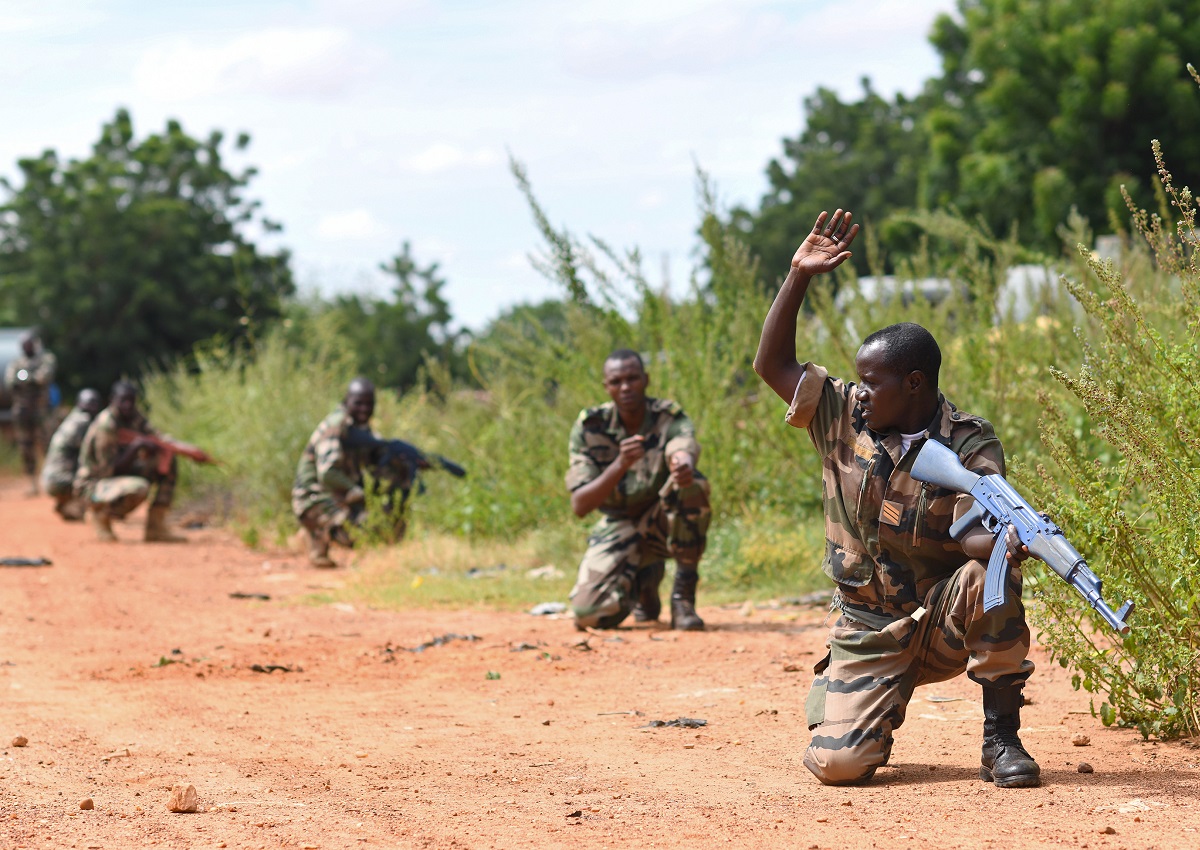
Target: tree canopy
1039, 107
393, 336
131, 256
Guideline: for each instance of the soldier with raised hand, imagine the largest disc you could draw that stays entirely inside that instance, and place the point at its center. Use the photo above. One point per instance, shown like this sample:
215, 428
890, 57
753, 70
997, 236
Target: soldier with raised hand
634, 460
118, 466
910, 597
328, 490
62, 458
28, 378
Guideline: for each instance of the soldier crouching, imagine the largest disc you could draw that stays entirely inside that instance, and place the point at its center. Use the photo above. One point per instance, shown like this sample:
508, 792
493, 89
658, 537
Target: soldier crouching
62, 458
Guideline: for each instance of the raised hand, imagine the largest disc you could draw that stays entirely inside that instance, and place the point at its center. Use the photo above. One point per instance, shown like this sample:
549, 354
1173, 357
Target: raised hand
824, 249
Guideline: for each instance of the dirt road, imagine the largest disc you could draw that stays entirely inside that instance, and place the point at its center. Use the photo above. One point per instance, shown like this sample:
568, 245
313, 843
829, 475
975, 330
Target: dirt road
131, 668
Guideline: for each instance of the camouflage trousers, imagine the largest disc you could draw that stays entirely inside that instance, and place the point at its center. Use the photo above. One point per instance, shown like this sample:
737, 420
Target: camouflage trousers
121, 494
29, 427
864, 684
325, 518
60, 485
619, 551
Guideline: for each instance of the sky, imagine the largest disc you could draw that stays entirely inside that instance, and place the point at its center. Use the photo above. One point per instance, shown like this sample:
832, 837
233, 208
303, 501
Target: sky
374, 123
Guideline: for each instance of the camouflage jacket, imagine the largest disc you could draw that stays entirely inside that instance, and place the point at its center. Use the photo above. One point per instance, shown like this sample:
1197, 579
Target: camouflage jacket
595, 442
62, 457
101, 448
887, 540
327, 468
29, 380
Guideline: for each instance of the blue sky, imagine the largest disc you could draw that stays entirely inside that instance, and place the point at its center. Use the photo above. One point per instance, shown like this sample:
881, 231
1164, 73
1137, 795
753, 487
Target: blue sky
377, 122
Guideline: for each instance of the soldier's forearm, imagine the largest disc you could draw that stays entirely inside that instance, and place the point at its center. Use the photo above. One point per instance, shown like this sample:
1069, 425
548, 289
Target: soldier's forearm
590, 496
775, 361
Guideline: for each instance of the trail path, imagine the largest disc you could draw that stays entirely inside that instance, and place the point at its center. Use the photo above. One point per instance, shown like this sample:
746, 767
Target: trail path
130, 668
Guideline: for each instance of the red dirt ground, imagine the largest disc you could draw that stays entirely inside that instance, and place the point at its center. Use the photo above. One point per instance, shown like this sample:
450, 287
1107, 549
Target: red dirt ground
365, 744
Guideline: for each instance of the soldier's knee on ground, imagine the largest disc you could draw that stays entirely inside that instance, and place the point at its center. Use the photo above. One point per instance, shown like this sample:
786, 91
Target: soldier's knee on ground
847, 766
609, 614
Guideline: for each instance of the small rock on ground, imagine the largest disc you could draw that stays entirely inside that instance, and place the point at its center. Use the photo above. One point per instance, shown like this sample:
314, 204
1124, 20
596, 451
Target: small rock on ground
183, 799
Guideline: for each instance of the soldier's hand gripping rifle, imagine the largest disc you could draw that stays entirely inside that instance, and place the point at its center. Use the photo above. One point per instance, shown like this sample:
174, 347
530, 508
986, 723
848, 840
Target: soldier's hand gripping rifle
165, 448
997, 506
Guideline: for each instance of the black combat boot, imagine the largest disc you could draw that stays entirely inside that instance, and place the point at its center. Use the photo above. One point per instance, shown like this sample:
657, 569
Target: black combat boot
649, 605
683, 599
1005, 761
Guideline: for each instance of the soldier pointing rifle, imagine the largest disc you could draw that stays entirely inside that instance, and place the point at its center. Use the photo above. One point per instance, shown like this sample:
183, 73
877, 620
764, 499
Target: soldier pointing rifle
122, 458
910, 596
329, 496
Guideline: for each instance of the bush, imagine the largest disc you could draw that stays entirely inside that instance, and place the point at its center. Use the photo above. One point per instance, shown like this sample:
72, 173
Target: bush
1138, 512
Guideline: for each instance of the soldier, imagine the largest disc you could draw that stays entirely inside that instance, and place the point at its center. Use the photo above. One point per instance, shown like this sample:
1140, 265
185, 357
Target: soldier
28, 378
62, 458
634, 460
328, 492
118, 465
910, 598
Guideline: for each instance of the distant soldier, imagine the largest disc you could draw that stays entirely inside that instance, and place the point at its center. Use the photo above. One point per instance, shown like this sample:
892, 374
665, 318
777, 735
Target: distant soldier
28, 378
119, 461
634, 460
328, 492
62, 458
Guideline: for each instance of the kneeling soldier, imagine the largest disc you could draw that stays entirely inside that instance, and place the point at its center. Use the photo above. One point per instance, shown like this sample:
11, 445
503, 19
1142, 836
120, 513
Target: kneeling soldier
634, 460
62, 458
119, 463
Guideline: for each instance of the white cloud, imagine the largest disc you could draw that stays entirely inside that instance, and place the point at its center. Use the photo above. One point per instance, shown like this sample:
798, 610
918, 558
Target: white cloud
41, 16
651, 200
281, 62
350, 224
442, 157
706, 41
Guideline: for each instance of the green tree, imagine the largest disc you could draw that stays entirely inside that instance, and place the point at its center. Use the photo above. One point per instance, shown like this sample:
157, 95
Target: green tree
1044, 106
393, 337
1040, 108
132, 255
862, 155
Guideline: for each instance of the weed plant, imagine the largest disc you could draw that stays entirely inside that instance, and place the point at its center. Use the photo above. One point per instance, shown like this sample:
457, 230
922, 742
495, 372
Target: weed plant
1137, 512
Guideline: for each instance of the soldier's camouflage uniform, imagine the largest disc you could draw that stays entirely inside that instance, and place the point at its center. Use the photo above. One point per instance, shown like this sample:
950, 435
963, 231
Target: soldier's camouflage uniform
62, 458
28, 380
97, 481
645, 519
910, 601
327, 471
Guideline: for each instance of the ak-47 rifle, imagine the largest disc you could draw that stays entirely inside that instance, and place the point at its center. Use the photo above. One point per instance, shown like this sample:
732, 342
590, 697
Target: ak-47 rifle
386, 451
997, 506
396, 467
166, 448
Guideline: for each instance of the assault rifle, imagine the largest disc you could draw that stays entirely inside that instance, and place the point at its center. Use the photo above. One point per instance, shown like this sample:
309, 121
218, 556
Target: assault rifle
386, 452
396, 467
165, 448
997, 506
